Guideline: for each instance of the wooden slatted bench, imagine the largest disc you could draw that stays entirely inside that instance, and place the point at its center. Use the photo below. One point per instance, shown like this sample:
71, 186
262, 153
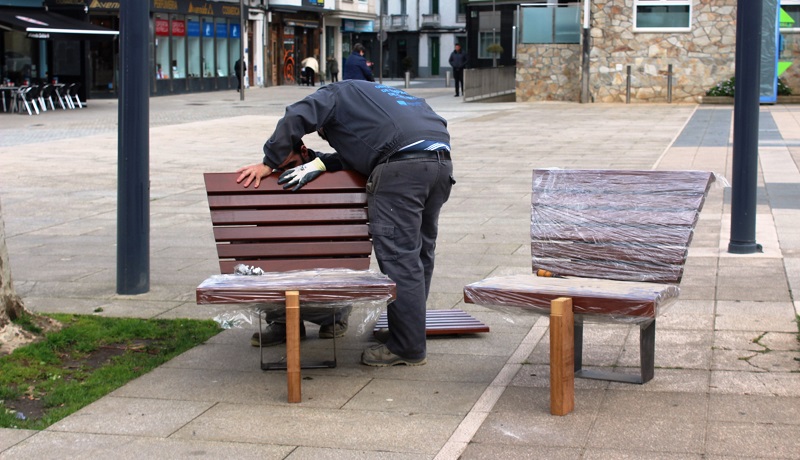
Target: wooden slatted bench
617, 242
314, 245
320, 230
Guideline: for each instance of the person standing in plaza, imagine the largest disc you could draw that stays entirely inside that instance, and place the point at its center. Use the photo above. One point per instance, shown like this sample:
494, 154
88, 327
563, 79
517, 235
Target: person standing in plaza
333, 69
458, 61
403, 147
355, 67
238, 69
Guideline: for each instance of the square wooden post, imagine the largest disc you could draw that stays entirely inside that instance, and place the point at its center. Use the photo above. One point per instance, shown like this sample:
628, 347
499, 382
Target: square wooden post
293, 345
562, 357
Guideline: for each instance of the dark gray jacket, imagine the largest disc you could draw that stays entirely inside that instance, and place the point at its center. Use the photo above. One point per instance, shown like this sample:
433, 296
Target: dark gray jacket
364, 122
458, 60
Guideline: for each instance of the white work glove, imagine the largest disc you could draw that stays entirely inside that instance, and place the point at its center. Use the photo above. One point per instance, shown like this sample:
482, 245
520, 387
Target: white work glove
302, 174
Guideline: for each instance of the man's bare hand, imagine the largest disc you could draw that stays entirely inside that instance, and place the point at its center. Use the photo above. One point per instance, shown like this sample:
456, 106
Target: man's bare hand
251, 173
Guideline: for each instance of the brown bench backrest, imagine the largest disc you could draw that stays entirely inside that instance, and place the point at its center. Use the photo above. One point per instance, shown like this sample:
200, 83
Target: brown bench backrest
322, 225
619, 225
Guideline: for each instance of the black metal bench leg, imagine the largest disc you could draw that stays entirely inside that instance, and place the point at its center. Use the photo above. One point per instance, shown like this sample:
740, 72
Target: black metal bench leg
578, 344
281, 365
647, 348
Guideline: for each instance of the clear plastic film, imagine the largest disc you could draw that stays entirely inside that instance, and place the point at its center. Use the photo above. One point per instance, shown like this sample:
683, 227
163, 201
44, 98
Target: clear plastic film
594, 299
616, 241
326, 295
615, 224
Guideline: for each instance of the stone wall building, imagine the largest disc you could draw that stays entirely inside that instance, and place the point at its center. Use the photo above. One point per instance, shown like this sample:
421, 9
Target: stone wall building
701, 55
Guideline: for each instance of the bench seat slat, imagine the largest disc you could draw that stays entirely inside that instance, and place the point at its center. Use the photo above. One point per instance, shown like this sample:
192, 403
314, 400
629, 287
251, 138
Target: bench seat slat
652, 202
290, 232
593, 216
287, 216
340, 181
305, 249
577, 250
442, 322
285, 265
314, 286
610, 269
633, 182
610, 298
295, 200
678, 235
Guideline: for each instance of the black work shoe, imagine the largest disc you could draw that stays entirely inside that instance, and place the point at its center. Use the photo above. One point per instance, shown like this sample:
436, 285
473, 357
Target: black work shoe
381, 335
329, 331
274, 334
380, 356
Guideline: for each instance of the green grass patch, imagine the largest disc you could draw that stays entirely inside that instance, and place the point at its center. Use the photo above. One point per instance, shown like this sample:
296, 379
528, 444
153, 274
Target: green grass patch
88, 358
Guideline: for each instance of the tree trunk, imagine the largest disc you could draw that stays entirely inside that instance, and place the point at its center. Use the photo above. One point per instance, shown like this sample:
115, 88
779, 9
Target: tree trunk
13, 336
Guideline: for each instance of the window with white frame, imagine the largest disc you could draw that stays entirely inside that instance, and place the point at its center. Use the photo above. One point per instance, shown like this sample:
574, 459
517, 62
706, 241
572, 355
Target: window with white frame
792, 9
662, 15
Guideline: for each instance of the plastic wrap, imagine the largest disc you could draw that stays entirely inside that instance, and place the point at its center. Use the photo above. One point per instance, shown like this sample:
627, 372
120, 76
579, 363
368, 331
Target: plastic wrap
615, 224
323, 293
594, 299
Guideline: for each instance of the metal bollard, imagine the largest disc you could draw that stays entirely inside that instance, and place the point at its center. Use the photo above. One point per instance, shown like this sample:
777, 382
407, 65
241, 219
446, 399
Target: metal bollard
669, 84
447, 79
628, 87
408, 79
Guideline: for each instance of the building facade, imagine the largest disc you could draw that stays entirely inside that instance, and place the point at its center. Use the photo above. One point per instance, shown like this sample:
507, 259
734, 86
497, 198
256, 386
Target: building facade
621, 50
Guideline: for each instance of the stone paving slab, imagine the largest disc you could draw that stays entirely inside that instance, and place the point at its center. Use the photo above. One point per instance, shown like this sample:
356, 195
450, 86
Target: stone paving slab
726, 353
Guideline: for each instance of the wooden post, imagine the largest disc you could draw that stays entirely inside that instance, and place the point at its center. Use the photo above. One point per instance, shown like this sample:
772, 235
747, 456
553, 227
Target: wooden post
293, 345
562, 357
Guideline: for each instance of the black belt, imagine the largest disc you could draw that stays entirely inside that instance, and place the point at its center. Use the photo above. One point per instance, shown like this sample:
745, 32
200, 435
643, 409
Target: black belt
441, 155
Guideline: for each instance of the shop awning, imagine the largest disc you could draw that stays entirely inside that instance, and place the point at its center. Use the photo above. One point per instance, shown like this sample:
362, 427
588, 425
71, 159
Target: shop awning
39, 23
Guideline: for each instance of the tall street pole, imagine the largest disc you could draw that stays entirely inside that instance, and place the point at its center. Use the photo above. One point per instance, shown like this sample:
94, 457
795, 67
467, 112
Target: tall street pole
242, 48
133, 151
744, 180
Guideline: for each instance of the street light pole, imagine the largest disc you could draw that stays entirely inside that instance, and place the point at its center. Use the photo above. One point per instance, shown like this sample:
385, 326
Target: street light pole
242, 48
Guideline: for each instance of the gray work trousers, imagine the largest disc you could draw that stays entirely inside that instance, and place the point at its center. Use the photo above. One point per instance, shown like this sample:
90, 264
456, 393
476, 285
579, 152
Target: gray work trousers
404, 199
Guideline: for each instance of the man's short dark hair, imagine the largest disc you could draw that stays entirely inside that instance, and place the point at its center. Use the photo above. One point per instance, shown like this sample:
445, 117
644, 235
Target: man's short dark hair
358, 47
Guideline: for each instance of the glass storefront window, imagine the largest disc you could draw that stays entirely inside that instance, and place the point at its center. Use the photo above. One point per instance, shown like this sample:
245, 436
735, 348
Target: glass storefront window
224, 65
234, 41
18, 58
178, 28
161, 25
209, 64
193, 45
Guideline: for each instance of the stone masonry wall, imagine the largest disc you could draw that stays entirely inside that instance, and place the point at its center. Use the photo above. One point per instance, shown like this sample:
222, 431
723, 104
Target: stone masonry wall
548, 73
700, 58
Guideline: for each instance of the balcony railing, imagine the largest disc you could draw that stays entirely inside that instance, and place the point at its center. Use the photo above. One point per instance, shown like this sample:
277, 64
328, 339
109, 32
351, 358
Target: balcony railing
431, 20
399, 22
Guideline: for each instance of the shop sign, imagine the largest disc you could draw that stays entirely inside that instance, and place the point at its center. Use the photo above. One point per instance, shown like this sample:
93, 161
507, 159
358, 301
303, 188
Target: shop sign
353, 25
222, 30
316, 3
162, 27
199, 7
178, 28
103, 5
193, 28
208, 29
235, 31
